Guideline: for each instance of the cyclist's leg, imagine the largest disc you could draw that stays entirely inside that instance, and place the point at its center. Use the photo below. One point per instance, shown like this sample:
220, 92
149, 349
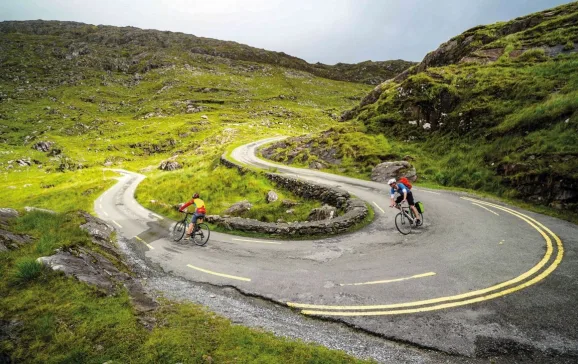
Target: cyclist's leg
191, 225
194, 221
411, 203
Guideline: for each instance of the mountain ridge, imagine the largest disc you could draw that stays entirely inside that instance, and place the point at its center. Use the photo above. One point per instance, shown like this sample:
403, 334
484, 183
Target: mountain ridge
370, 72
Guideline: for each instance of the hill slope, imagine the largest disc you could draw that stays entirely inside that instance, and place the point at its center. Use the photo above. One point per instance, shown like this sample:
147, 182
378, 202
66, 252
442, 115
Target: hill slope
69, 108
133, 50
493, 109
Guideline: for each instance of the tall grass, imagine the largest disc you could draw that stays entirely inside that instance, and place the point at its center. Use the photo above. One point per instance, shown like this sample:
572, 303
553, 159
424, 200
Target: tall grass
26, 270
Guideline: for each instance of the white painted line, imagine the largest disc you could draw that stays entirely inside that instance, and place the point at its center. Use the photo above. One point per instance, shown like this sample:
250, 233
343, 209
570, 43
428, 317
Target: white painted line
485, 208
257, 241
119, 225
429, 274
435, 193
100, 206
380, 209
219, 274
144, 242
104, 212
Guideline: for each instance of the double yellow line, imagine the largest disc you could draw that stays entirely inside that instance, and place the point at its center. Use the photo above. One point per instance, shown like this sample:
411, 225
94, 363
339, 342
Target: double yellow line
532, 276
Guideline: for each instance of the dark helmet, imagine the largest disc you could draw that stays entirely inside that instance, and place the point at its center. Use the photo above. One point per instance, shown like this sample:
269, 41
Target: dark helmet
196, 195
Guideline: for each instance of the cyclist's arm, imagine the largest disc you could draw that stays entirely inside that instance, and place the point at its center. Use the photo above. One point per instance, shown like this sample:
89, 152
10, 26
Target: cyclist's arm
185, 206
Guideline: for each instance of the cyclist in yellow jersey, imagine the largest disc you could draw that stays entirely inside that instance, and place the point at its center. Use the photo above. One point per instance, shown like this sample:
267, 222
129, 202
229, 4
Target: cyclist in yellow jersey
200, 211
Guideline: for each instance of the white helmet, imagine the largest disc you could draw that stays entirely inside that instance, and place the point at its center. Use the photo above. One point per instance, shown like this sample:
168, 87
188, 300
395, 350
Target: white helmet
391, 181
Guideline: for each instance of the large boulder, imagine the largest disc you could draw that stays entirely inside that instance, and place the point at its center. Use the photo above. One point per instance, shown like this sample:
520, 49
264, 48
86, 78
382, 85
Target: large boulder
386, 170
238, 208
324, 212
169, 166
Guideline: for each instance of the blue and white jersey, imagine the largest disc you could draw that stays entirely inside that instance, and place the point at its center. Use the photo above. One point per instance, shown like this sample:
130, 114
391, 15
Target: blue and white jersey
401, 188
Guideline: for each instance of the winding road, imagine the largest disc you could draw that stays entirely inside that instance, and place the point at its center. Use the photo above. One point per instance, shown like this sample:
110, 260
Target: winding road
478, 279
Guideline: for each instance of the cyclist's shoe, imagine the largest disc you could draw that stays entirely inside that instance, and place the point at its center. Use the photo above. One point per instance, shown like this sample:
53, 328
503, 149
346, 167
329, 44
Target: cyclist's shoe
418, 222
187, 237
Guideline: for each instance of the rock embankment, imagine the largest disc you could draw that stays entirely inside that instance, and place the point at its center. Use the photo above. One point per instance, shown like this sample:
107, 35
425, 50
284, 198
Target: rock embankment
355, 209
99, 269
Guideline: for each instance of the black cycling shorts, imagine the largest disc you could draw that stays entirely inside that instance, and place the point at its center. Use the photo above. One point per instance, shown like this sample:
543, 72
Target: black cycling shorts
409, 199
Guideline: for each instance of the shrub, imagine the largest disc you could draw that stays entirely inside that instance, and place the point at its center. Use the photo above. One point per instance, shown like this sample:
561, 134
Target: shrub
27, 269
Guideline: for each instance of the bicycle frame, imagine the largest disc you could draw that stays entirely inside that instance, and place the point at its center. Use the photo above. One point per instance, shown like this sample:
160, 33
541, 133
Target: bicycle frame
406, 212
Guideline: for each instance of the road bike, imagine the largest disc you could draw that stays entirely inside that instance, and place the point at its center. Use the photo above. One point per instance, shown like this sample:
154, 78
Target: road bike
405, 219
200, 234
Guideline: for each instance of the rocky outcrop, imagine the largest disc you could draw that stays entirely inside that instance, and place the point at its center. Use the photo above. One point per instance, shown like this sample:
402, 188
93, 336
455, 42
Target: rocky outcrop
97, 269
7, 214
170, 166
386, 170
239, 208
11, 241
8, 239
43, 146
355, 210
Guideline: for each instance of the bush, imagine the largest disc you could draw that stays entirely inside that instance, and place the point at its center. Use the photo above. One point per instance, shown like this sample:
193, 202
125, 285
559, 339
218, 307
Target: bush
27, 269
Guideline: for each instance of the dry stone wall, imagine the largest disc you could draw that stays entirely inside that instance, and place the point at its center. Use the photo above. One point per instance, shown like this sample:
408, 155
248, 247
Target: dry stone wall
355, 209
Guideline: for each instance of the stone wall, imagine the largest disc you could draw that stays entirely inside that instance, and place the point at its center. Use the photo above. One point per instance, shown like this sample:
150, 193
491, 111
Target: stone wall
355, 209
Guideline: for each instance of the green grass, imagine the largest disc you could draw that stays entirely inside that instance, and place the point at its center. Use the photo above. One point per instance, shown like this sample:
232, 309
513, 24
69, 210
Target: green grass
27, 269
60, 320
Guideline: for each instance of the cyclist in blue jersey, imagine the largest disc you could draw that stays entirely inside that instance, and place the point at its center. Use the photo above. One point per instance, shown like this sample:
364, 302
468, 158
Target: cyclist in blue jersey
404, 195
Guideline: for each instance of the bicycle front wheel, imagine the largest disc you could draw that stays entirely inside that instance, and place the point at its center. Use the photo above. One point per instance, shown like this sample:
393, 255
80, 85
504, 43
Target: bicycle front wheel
403, 224
202, 234
179, 230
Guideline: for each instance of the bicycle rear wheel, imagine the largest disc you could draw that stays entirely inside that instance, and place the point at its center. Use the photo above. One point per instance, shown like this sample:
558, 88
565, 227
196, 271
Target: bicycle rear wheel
179, 230
201, 235
403, 224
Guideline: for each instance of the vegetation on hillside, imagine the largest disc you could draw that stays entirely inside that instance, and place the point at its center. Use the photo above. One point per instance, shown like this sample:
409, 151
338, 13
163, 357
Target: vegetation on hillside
494, 109
46, 317
189, 111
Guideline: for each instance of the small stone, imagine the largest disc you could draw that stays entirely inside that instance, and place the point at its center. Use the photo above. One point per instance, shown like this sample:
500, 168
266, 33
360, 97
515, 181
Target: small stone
204, 117
271, 196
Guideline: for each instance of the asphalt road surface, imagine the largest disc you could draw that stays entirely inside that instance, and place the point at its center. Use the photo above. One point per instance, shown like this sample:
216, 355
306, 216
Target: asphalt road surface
478, 279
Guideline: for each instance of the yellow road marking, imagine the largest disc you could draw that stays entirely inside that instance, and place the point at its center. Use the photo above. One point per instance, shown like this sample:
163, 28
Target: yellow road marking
144, 242
390, 280
532, 222
380, 209
257, 241
485, 208
219, 274
119, 225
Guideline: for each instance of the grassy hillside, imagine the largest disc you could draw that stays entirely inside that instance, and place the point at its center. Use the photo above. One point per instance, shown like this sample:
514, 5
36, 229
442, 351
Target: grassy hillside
131, 50
494, 109
188, 108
